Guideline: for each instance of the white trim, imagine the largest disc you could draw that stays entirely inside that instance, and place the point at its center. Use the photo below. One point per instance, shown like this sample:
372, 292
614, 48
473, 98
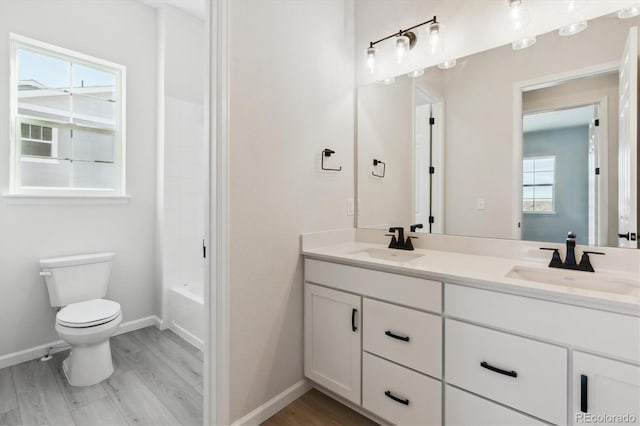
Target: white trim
275, 404
21, 199
60, 345
186, 335
518, 89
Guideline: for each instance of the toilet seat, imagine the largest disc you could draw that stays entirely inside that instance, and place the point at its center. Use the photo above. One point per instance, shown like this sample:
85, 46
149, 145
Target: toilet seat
90, 313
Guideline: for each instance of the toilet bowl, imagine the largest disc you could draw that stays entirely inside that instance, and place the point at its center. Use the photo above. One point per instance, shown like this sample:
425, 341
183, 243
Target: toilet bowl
86, 320
87, 327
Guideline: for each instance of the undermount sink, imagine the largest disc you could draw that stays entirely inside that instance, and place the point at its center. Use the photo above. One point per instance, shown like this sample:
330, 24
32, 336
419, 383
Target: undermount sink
576, 279
388, 254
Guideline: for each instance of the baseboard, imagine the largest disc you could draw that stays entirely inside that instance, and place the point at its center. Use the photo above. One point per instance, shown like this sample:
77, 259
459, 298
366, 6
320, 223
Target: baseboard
275, 404
59, 345
186, 335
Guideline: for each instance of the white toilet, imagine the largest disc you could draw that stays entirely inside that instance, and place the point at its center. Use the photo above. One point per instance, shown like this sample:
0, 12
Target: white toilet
77, 284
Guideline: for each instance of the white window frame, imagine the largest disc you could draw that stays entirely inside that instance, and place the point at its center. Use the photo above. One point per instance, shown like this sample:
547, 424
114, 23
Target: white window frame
553, 197
15, 187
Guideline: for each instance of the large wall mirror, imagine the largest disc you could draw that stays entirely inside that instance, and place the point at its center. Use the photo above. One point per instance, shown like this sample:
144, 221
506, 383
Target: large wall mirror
521, 144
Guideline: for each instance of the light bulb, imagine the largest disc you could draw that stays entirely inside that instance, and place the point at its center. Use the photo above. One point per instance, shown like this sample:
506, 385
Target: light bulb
402, 48
518, 14
524, 43
435, 39
629, 12
416, 73
370, 59
572, 29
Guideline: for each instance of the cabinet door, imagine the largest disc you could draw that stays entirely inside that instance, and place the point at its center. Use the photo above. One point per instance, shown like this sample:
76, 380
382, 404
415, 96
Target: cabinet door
601, 388
332, 344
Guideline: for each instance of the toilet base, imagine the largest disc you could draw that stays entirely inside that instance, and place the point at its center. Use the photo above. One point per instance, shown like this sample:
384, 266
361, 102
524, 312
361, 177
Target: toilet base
88, 365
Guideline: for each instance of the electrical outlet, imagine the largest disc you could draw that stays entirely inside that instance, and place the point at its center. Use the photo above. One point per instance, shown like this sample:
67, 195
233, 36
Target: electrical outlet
480, 204
350, 207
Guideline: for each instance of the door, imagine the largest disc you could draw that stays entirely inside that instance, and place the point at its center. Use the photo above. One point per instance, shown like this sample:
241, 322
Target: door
332, 343
602, 387
422, 160
627, 144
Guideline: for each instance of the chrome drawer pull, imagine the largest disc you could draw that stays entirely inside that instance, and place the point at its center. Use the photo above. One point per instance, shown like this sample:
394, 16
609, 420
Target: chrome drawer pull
498, 370
395, 336
395, 398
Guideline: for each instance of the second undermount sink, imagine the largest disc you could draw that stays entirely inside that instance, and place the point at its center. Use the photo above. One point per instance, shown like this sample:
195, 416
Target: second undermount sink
388, 254
576, 279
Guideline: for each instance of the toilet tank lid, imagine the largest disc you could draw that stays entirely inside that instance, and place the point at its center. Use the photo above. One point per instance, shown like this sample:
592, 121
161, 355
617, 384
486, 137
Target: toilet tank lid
81, 259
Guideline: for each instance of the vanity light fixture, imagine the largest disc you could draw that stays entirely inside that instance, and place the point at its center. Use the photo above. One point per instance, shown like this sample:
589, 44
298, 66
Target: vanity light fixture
435, 39
405, 40
519, 14
573, 29
629, 12
416, 73
523, 43
447, 64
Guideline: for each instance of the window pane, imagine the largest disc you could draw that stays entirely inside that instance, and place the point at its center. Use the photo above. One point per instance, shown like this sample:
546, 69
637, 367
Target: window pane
25, 130
527, 192
92, 110
527, 178
45, 104
46, 174
544, 205
93, 144
544, 178
39, 149
543, 192
36, 132
93, 175
47, 133
85, 76
527, 165
36, 71
544, 164
527, 205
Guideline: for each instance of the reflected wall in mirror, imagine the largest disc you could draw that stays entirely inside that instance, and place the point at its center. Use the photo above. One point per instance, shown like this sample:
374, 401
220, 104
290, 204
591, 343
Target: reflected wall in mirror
527, 144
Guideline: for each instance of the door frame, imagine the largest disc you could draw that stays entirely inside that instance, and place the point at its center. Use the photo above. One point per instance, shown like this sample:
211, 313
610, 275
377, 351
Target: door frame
525, 86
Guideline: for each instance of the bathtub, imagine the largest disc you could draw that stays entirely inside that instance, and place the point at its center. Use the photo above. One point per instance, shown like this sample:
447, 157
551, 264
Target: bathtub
187, 313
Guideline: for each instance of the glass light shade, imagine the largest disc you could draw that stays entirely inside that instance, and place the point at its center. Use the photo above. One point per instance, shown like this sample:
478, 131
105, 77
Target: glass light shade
523, 43
435, 45
572, 29
519, 14
370, 60
629, 12
402, 48
416, 73
447, 64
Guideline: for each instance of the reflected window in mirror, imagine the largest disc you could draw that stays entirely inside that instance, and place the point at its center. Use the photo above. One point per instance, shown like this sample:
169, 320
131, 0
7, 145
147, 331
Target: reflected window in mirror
538, 181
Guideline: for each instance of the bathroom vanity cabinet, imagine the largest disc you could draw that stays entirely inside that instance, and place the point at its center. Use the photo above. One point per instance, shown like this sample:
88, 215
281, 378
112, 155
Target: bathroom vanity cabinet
414, 350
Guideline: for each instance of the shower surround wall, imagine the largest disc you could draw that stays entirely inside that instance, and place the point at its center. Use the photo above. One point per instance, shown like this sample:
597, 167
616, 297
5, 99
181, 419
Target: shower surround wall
181, 155
123, 32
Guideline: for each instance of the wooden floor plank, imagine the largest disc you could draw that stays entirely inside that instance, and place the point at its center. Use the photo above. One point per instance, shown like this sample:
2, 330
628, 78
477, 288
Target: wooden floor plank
199, 388
184, 402
101, 412
316, 408
8, 399
11, 418
136, 402
39, 395
75, 396
178, 358
125, 344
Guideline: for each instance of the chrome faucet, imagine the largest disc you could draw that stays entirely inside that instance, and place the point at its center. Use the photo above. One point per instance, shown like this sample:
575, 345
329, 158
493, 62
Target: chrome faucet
570, 258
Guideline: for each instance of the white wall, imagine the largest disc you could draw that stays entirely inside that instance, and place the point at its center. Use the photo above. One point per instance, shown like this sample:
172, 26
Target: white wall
181, 166
386, 133
123, 32
291, 96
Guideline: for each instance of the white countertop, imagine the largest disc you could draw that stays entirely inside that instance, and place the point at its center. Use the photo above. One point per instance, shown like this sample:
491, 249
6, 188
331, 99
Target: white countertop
483, 272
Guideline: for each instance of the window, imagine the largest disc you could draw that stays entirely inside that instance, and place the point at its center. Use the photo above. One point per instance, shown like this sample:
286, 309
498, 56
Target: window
538, 180
67, 111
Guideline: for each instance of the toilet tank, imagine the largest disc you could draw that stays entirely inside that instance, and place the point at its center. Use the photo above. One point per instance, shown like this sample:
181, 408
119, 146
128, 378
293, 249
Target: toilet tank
73, 279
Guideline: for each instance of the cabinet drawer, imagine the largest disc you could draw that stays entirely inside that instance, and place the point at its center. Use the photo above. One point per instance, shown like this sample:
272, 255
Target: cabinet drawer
583, 328
417, 400
400, 289
522, 373
403, 335
464, 409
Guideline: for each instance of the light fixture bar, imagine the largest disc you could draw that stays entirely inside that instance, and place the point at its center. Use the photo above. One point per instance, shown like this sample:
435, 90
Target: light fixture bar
402, 32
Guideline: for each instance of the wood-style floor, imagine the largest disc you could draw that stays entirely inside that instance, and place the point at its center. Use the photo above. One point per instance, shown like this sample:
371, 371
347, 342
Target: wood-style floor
315, 408
157, 381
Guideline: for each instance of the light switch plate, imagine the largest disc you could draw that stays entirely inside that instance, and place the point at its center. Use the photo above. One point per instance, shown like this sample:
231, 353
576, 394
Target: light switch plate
480, 204
350, 207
